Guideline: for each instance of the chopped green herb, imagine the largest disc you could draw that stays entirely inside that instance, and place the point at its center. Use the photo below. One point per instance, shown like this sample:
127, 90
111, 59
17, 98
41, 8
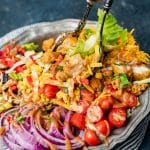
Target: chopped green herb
15, 76
120, 63
59, 68
20, 119
123, 80
30, 46
81, 87
65, 89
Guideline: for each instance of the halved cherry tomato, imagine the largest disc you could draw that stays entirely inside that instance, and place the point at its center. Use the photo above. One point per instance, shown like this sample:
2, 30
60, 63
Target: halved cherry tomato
50, 91
103, 127
117, 117
8, 62
95, 113
78, 120
84, 105
106, 103
129, 99
91, 138
20, 68
87, 95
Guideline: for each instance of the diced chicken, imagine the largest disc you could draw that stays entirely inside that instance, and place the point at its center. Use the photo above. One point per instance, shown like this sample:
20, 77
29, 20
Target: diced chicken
47, 44
74, 65
49, 57
140, 72
118, 68
70, 41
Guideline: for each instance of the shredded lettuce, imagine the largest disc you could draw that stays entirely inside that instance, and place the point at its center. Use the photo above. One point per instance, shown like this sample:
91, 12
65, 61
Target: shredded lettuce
142, 81
112, 32
15, 76
30, 46
85, 47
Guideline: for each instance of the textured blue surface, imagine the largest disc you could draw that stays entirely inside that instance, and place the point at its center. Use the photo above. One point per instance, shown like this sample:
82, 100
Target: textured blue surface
130, 13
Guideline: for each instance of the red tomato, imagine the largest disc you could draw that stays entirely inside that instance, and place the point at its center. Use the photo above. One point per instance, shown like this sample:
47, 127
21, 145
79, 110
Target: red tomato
78, 120
20, 69
91, 138
50, 90
7, 62
106, 103
95, 113
117, 117
30, 81
103, 127
84, 105
129, 99
87, 95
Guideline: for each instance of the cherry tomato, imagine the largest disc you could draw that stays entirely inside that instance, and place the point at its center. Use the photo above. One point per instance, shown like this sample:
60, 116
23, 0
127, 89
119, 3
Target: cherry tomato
8, 62
103, 127
95, 113
78, 120
91, 138
106, 103
50, 91
117, 117
87, 95
129, 99
20, 69
84, 105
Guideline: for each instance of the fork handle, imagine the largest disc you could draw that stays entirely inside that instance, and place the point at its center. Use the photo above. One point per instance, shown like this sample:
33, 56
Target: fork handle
84, 18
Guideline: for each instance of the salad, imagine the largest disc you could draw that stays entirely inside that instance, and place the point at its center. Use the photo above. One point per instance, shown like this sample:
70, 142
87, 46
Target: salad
67, 98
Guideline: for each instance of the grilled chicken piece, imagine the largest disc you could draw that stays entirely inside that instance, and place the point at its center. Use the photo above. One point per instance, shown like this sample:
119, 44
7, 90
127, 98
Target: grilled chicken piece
70, 41
47, 44
119, 67
140, 72
74, 65
49, 57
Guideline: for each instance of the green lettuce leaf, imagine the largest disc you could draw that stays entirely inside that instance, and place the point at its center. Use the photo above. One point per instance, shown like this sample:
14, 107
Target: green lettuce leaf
30, 46
111, 33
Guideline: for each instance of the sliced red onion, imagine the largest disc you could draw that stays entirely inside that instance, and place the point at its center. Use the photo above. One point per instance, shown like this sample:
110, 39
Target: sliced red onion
55, 132
20, 140
11, 145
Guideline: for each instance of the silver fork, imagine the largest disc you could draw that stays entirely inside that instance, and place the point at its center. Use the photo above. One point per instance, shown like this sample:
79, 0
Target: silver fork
81, 25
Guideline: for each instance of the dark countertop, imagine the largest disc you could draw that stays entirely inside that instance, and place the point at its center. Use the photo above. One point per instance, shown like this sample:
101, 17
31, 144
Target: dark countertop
130, 13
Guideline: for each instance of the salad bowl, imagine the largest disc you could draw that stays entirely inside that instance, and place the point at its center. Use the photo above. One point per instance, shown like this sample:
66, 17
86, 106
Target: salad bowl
128, 137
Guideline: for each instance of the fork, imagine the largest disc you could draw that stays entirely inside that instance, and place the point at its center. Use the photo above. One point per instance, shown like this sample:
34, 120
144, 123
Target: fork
82, 22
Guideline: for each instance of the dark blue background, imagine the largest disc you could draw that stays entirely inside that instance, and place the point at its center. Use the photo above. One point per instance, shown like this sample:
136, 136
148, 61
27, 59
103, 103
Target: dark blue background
130, 13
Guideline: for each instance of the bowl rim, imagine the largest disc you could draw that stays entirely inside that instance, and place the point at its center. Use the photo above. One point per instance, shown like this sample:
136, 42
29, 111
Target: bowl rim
138, 118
